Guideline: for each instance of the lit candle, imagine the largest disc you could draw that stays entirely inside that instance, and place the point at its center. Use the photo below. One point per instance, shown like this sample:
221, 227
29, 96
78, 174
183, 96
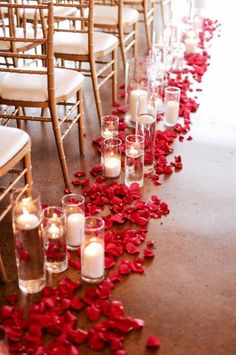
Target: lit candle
172, 111
107, 133
75, 228
134, 95
27, 220
54, 231
112, 166
190, 45
93, 260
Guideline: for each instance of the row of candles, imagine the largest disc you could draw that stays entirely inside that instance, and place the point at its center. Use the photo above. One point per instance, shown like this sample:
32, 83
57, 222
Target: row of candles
42, 238
140, 146
147, 95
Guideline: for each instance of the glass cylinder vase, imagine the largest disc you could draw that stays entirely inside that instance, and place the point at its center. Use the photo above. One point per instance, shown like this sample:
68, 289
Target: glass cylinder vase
92, 250
54, 234
146, 127
172, 99
29, 247
134, 159
135, 86
112, 157
74, 207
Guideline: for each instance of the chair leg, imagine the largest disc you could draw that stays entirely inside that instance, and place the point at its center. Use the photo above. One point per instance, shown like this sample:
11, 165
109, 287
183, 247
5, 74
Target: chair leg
18, 121
59, 144
80, 111
27, 166
147, 26
3, 275
114, 77
135, 47
122, 45
96, 90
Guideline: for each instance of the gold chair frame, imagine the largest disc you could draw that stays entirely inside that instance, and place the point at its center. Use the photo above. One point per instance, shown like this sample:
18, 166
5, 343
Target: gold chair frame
19, 173
47, 58
107, 67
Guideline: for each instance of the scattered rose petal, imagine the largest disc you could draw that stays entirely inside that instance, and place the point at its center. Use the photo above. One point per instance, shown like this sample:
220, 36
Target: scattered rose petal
153, 342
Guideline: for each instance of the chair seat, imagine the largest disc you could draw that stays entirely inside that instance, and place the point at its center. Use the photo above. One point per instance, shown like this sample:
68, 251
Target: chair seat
33, 87
12, 141
77, 43
108, 15
58, 11
5, 45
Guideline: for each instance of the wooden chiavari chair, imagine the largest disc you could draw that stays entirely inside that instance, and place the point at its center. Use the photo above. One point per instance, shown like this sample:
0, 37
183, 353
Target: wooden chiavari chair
82, 45
15, 146
112, 16
33, 82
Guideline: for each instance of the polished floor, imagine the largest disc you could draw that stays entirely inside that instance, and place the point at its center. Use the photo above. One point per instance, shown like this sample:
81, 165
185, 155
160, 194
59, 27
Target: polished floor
187, 295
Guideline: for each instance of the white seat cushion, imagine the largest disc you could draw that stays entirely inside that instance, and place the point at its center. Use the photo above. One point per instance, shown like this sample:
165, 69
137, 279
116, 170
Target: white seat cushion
5, 45
33, 87
109, 15
58, 11
12, 141
77, 43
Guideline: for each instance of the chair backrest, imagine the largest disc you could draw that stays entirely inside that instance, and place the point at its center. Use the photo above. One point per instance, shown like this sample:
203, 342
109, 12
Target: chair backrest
81, 17
18, 36
114, 3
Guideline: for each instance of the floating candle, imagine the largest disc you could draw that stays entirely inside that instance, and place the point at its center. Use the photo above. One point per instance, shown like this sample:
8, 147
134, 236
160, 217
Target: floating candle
27, 220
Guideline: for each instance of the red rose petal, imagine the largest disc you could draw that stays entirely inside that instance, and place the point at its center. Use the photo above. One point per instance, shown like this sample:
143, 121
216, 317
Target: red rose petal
78, 336
147, 253
124, 268
93, 313
109, 262
95, 342
131, 248
153, 342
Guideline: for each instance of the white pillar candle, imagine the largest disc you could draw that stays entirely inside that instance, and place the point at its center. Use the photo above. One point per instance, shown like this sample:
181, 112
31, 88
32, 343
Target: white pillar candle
93, 260
75, 228
134, 95
172, 111
27, 220
190, 45
112, 166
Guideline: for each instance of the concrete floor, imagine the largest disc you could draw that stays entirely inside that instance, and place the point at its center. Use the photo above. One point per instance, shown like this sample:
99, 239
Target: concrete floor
187, 295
